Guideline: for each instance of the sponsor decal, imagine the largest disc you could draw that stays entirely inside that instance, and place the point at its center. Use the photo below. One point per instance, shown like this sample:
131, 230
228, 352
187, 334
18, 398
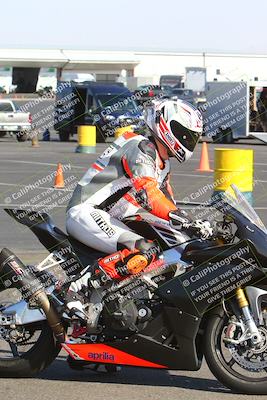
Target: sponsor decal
199, 124
111, 258
99, 220
107, 152
16, 268
105, 356
181, 154
144, 160
169, 138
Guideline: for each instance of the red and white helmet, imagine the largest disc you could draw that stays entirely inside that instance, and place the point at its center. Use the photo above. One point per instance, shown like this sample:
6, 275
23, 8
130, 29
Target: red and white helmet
176, 124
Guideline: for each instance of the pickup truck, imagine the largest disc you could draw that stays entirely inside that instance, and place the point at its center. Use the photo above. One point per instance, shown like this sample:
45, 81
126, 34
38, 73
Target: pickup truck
14, 121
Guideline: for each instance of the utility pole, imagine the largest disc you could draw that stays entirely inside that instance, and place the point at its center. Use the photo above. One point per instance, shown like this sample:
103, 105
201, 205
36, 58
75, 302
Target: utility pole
204, 59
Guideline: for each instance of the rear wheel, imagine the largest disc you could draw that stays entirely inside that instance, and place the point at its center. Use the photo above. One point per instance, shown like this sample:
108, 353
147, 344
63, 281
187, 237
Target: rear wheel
30, 354
239, 367
2, 134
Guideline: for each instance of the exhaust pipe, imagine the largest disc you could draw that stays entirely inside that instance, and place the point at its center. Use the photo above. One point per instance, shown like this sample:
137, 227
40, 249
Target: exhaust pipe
14, 274
51, 316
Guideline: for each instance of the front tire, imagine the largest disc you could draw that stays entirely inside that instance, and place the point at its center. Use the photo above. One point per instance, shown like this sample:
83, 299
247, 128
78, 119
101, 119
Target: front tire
29, 364
219, 367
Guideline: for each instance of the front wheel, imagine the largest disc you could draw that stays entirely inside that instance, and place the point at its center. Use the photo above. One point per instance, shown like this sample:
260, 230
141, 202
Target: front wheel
31, 354
241, 368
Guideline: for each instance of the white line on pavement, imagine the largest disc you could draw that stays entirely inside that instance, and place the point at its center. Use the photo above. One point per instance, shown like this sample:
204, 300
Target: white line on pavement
193, 175
211, 160
39, 163
207, 176
70, 190
79, 167
187, 205
30, 205
39, 187
191, 205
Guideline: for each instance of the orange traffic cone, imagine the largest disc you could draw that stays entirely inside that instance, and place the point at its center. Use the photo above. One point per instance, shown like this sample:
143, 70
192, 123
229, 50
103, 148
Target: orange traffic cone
204, 165
59, 179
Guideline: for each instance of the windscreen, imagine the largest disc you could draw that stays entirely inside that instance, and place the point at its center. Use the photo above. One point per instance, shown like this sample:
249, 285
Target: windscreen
238, 201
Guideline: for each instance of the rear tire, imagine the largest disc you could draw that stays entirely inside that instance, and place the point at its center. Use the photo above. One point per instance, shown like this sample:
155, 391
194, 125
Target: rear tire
218, 368
64, 136
35, 360
2, 134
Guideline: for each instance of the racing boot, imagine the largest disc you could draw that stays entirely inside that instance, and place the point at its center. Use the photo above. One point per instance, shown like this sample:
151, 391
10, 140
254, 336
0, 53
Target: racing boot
121, 264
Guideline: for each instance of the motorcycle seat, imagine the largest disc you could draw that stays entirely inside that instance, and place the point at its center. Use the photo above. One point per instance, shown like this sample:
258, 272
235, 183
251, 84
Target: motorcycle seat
52, 237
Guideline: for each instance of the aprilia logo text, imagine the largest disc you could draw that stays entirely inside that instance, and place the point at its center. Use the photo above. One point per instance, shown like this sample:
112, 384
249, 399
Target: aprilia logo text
102, 356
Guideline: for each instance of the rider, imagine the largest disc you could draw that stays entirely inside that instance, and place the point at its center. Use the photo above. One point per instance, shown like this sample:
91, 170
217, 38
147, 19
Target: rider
131, 174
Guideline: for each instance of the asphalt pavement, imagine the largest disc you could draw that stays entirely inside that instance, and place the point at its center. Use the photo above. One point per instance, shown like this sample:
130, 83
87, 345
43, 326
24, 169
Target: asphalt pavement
26, 180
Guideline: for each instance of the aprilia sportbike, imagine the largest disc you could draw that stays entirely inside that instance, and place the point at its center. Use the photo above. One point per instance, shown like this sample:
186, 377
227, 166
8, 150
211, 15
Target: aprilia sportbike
201, 298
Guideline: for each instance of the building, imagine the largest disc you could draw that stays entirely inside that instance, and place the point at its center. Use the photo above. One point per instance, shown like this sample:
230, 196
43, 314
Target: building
24, 70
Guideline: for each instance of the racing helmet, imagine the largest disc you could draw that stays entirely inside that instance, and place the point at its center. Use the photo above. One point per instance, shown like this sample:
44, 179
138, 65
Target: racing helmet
176, 124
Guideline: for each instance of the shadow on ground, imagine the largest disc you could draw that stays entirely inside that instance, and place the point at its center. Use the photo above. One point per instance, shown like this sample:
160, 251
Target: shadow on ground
60, 371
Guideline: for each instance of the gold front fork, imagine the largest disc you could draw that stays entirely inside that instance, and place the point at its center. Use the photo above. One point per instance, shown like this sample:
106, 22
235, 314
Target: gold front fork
241, 298
251, 331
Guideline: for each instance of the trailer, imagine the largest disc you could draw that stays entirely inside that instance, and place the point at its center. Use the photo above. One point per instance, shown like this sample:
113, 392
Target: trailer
235, 110
195, 79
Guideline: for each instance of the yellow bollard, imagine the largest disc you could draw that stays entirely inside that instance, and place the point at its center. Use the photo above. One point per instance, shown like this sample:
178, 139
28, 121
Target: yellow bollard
86, 139
122, 130
234, 166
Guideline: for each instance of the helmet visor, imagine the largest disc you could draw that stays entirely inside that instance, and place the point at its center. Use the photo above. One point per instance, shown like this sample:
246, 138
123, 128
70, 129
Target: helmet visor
186, 137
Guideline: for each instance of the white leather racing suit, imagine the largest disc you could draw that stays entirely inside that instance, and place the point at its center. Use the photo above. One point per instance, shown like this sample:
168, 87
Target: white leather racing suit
128, 175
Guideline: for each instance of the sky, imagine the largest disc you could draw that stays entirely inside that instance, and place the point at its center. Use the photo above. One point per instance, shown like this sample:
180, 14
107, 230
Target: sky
234, 26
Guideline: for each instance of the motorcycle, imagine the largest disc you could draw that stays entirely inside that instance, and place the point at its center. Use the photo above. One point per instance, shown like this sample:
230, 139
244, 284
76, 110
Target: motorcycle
200, 298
